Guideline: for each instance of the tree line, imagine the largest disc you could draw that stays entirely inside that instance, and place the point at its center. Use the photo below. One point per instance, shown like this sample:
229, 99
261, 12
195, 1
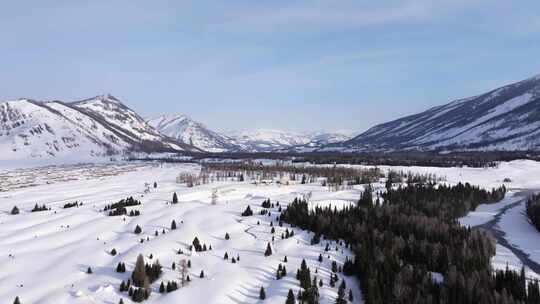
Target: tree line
401, 244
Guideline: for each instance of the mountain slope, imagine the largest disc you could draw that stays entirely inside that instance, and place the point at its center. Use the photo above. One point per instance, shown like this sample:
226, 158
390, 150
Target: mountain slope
127, 124
96, 127
507, 118
190, 132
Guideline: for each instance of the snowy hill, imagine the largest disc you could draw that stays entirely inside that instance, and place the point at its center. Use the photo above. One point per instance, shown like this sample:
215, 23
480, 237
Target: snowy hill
503, 119
95, 127
185, 130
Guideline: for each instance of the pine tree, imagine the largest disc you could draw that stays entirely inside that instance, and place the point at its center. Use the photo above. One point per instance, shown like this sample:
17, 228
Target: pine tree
202, 274
155, 184
162, 287
121, 301
226, 256
120, 267
247, 212
227, 237
341, 294
138, 230
320, 258
173, 225
89, 270
17, 301
113, 251
173, 267
290, 298
262, 294
268, 251
15, 211
351, 298
175, 198
139, 273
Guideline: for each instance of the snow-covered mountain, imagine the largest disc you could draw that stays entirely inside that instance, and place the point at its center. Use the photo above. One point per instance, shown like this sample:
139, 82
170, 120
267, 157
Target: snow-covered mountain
94, 127
507, 118
191, 132
185, 130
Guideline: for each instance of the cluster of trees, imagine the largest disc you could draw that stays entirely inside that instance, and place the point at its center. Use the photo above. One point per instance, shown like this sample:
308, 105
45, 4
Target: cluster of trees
399, 244
196, 245
287, 234
447, 201
121, 267
71, 205
310, 292
171, 286
266, 204
38, 208
409, 177
533, 210
143, 275
522, 289
335, 176
415, 158
248, 211
119, 208
191, 179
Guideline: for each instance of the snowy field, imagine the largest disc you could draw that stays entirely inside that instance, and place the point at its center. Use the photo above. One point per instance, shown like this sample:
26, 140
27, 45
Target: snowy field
45, 255
524, 174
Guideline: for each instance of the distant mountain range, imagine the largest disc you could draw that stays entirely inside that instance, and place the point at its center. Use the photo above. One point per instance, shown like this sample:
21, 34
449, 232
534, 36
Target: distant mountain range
507, 118
190, 132
103, 126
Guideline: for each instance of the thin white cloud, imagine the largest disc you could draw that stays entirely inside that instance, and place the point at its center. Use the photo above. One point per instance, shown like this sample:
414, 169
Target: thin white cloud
329, 15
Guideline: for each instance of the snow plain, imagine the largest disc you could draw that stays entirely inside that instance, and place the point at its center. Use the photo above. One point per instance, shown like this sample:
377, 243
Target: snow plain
44, 255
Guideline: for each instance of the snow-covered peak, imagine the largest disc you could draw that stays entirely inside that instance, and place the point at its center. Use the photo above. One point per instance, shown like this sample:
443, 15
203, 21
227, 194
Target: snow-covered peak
95, 127
188, 131
103, 99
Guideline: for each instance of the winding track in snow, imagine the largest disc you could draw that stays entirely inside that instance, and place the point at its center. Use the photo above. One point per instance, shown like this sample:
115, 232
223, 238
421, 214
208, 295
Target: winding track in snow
493, 227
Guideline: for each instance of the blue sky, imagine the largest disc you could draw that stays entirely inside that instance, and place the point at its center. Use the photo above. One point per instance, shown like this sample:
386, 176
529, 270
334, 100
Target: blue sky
296, 65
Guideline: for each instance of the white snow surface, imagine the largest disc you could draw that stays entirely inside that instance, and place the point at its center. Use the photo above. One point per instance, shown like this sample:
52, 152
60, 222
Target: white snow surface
44, 255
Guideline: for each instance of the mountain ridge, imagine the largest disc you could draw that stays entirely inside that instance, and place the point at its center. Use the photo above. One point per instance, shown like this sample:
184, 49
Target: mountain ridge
505, 118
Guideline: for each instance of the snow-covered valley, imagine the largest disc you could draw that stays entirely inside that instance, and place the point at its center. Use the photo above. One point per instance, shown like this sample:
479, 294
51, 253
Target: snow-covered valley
45, 255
